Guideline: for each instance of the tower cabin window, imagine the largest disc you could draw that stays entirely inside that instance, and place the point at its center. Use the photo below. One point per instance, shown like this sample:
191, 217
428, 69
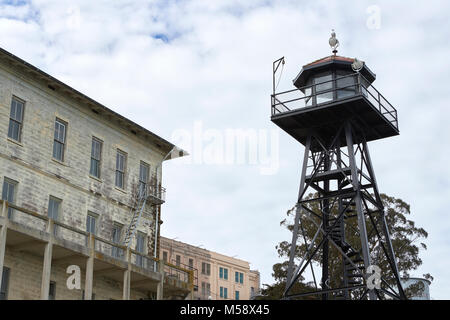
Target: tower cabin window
323, 84
346, 85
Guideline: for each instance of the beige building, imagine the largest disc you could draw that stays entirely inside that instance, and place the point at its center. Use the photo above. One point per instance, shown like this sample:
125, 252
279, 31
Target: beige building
70, 173
216, 276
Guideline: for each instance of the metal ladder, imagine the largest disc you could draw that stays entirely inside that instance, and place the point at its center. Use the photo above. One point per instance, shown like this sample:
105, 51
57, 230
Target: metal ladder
137, 214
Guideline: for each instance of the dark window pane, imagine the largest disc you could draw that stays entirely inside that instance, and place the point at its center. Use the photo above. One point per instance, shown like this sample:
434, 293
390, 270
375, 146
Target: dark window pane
5, 283
8, 193
52, 291
58, 150
119, 179
14, 130
95, 168
348, 87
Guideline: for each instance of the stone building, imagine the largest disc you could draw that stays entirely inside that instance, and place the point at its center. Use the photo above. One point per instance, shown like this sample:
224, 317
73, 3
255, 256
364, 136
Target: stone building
216, 276
70, 170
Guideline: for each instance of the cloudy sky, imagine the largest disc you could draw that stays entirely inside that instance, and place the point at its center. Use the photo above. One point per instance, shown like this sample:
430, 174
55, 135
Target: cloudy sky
195, 72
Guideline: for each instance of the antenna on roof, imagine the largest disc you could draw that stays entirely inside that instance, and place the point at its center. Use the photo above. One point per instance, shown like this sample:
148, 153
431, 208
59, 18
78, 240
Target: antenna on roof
334, 43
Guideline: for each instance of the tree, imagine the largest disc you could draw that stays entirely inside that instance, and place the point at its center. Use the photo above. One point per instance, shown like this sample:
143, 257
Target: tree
405, 236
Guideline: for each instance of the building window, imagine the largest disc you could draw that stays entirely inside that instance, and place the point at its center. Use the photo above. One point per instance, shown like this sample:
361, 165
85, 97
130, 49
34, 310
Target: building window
177, 260
144, 170
116, 235
165, 256
241, 278
52, 291
236, 295
140, 247
59, 139
54, 206
191, 263
224, 292
120, 169
5, 283
16, 119
252, 292
9, 193
223, 273
96, 153
91, 223
206, 268
206, 290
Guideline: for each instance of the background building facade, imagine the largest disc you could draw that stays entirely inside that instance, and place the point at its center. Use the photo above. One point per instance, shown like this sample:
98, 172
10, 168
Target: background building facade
67, 159
218, 277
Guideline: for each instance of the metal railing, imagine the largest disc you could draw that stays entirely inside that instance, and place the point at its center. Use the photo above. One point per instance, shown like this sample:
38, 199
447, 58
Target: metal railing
154, 192
74, 236
330, 91
187, 267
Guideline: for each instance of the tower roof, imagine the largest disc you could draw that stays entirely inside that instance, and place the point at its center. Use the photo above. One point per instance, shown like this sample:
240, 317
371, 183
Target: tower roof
330, 58
329, 63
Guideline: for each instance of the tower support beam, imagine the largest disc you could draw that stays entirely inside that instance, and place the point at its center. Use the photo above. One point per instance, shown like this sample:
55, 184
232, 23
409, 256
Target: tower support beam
341, 180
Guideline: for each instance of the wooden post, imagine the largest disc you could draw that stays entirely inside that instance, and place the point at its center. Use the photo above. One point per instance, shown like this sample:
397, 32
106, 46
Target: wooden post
47, 265
127, 277
160, 287
88, 284
3, 231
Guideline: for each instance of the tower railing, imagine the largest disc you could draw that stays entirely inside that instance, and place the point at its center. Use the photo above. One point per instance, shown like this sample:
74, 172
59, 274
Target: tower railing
327, 92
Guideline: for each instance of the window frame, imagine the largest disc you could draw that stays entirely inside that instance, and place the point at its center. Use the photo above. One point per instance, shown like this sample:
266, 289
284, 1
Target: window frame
56, 142
143, 164
206, 268
118, 170
15, 184
326, 91
140, 247
59, 202
5, 274
93, 159
95, 217
19, 122
58, 213
116, 252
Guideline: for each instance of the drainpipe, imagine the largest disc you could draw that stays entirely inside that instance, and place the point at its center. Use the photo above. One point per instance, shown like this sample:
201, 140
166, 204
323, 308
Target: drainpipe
156, 214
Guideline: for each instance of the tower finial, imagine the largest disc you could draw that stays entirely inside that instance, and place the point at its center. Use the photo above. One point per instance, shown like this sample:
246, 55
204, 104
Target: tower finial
334, 43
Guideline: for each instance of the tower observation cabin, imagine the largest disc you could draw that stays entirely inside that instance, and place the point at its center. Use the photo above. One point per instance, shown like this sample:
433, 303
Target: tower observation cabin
333, 111
329, 91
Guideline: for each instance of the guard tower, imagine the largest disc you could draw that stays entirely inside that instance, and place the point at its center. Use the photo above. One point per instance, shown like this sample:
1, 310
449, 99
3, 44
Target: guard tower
334, 111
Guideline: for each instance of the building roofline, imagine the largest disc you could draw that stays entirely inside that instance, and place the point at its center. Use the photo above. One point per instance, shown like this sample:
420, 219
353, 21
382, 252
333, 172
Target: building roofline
207, 250
54, 83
